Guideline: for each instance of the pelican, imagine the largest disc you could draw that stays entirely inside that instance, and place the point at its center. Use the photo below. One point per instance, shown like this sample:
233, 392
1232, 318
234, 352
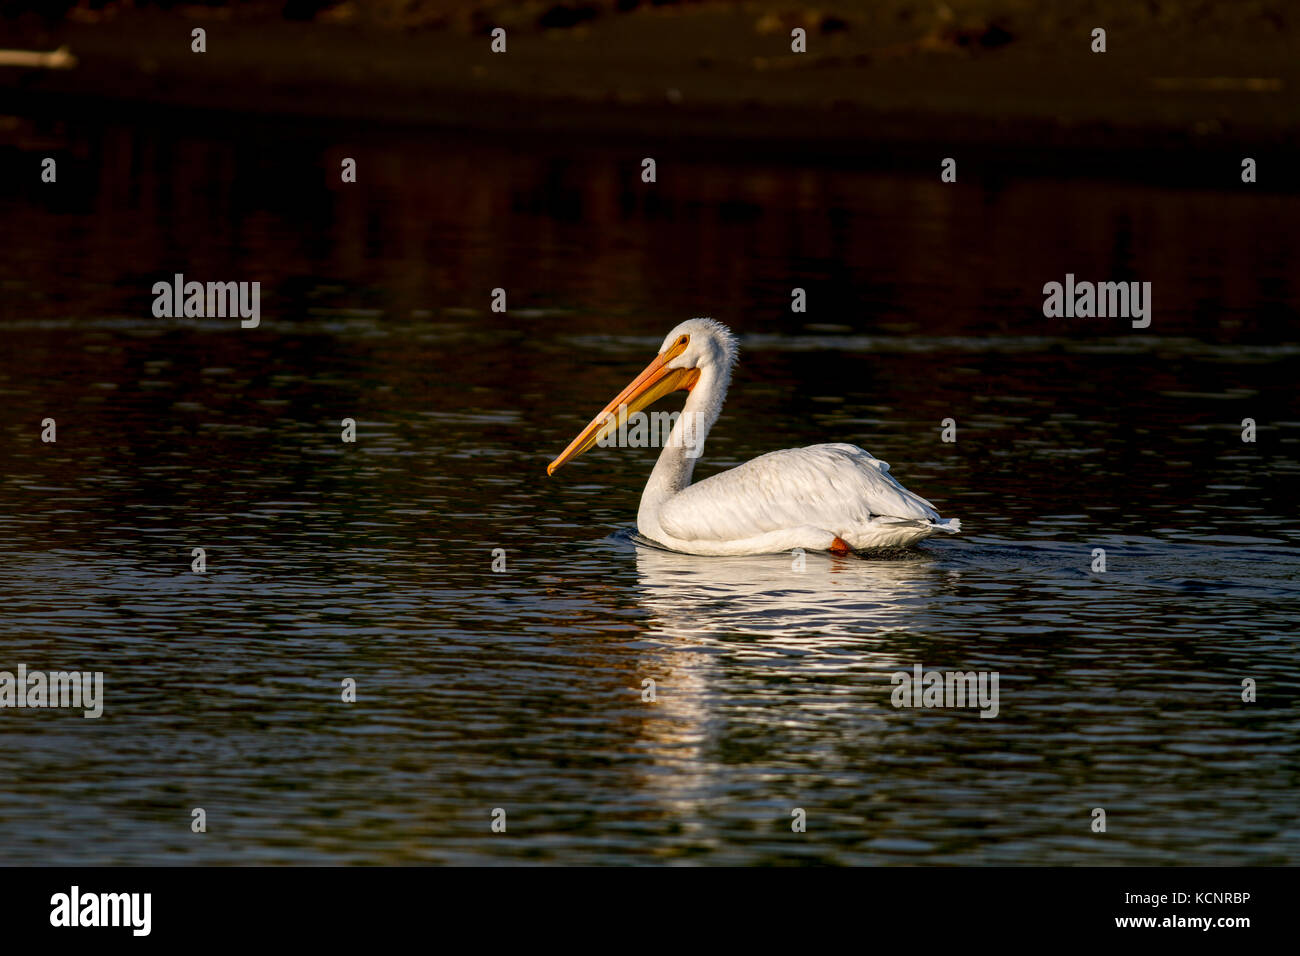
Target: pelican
833, 497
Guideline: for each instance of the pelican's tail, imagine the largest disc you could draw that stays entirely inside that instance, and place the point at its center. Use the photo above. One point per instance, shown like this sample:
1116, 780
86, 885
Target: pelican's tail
951, 525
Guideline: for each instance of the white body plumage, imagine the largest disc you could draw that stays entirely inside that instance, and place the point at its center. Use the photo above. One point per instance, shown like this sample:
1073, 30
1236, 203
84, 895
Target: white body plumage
824, 497
793, 498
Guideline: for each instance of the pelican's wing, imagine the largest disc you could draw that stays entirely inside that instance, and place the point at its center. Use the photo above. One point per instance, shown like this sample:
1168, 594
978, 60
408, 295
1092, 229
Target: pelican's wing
826, 486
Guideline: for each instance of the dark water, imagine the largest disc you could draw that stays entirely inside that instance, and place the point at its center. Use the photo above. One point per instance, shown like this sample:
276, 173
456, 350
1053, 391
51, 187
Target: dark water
522, 690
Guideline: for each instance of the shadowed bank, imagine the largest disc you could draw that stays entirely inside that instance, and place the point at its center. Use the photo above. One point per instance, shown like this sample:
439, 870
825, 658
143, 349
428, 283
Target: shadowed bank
1181, 91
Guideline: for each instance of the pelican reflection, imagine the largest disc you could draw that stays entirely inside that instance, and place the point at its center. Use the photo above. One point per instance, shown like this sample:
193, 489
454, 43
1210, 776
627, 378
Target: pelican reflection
793, 600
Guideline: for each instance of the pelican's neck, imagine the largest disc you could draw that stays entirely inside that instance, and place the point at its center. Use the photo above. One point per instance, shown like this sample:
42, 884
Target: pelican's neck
673, 470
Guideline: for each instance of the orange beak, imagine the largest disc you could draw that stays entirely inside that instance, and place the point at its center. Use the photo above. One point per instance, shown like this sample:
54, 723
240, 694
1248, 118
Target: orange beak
647, 388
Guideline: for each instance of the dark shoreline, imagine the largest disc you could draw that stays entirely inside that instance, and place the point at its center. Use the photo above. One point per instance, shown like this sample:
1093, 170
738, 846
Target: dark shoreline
900, 114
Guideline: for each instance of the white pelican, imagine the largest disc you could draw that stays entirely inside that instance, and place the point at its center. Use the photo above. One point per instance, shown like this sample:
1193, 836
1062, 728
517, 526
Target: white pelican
820, 498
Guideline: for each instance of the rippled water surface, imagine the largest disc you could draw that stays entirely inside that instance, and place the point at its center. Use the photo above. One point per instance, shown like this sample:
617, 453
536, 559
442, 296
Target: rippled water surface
523, 689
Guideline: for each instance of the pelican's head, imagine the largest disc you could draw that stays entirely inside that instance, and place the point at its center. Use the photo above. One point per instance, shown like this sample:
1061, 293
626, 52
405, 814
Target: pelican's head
703, 342
688, 351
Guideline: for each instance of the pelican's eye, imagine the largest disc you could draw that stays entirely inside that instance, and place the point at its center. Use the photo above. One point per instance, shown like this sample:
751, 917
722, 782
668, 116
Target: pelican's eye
683, 340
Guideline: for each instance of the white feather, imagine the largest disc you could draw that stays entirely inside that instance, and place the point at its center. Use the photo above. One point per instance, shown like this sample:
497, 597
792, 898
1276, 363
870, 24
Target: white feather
839, 490
795, 498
